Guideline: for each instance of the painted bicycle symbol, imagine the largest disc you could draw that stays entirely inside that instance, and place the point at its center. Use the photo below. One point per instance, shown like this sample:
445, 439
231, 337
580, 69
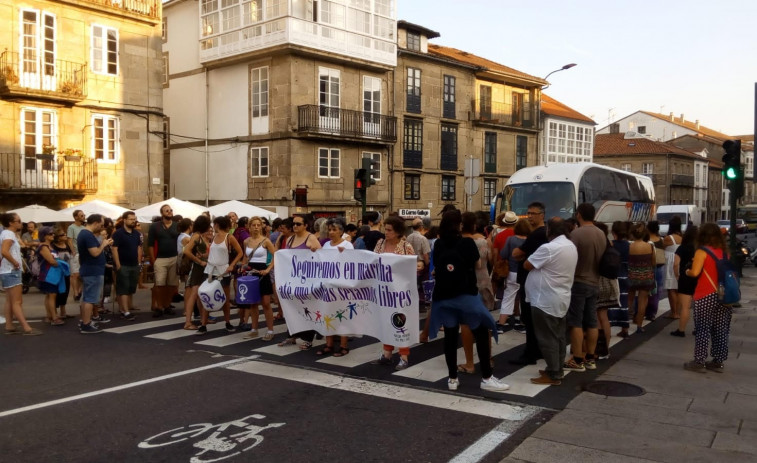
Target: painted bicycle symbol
210, 438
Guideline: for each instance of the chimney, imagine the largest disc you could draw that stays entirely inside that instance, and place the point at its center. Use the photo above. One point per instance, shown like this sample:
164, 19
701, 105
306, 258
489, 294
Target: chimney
682, 119
615, 127
672, 118
697, 124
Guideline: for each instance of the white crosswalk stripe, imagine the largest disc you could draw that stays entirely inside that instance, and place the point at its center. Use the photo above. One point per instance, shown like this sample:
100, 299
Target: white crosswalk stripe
431, 370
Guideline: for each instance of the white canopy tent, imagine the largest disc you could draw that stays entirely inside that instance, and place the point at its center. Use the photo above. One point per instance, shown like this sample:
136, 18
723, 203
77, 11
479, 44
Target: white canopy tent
242, 210
180, 207
41, 214
97, 206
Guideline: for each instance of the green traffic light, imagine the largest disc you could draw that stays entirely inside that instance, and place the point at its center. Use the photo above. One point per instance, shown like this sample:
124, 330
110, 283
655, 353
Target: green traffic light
731, 173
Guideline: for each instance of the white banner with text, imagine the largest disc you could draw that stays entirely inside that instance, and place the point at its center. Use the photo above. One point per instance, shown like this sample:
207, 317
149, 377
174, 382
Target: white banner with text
351, 292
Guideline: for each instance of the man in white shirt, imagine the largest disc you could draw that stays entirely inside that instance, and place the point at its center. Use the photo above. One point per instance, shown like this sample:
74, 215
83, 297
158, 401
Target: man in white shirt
548, 286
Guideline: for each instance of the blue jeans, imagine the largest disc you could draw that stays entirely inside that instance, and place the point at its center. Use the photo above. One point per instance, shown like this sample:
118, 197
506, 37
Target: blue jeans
11, 279
93, 289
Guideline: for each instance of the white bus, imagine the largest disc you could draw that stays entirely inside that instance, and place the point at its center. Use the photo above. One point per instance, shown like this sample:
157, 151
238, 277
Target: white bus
615, 194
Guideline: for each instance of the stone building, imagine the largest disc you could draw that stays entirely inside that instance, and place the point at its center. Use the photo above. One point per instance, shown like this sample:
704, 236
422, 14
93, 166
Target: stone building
679, 176
275, 102
455, 108
691, 136
80, 102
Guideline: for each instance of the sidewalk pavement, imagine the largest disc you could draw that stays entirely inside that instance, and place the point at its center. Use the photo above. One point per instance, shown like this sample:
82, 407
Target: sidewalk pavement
683, 417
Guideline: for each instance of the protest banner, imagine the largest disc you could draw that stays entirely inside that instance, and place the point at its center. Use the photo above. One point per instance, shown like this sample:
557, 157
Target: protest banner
351, 292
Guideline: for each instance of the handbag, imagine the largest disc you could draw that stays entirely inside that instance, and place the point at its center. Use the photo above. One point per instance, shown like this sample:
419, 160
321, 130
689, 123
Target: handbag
659, 256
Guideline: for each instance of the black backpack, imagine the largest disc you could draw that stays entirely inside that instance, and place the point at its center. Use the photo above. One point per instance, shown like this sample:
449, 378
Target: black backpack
609, 263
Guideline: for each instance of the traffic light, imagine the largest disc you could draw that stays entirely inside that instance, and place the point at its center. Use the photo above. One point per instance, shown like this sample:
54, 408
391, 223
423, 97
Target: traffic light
371, 169
360, 185
732, 169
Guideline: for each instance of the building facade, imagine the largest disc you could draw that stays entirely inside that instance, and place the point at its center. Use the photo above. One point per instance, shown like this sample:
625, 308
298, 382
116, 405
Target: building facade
679, 176
467, 124
287, 97
80, 102
567, 135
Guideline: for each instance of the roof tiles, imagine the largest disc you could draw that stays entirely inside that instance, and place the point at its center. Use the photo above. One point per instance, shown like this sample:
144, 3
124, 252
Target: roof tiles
552, 107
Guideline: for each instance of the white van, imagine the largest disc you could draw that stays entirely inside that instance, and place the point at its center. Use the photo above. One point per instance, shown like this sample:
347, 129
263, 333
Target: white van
688, 213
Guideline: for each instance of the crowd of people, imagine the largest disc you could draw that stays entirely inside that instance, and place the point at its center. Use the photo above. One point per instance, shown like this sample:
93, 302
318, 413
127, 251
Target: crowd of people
538, 276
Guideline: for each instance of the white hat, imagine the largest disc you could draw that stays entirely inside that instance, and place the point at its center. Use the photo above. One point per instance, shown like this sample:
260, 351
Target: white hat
510, 218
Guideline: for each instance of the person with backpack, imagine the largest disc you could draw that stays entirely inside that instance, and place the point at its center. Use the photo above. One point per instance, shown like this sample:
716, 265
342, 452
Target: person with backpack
712, 318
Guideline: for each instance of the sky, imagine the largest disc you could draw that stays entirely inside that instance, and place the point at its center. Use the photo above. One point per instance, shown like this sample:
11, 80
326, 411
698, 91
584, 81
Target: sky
694, 57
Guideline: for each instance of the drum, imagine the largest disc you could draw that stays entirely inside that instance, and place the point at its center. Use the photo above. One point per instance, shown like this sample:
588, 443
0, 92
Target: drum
211, 295
248, 290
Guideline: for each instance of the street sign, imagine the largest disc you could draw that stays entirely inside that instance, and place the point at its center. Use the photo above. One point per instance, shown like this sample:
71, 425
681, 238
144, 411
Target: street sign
412, 213
472, 185
472, 167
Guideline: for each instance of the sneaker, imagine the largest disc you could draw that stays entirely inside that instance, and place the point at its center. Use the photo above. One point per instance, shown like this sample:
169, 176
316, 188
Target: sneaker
604, 357
252, 334
572, 365
678, 333
100, 319
268, 336
106, 300
403, 364
452, 384
520, 328
382, 360
590, 364
128, 316
694, 366
714, 365
545, 380
501, 328
494, 385
89, 329
230, 328
202, 330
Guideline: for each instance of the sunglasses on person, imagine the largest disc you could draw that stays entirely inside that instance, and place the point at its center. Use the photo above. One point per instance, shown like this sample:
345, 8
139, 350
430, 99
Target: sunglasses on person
298, 223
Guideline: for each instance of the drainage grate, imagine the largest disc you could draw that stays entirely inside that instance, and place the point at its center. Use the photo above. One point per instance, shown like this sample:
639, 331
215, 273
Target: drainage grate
614, 389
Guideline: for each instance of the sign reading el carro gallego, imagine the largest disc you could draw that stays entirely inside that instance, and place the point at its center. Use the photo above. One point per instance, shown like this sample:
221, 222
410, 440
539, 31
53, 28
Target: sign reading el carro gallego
413, 213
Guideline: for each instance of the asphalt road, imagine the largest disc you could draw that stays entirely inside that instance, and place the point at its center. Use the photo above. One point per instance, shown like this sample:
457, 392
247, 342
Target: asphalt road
70, 397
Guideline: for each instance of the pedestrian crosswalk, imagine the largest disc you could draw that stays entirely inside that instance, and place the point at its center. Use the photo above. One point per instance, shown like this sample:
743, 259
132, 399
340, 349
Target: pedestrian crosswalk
427, 362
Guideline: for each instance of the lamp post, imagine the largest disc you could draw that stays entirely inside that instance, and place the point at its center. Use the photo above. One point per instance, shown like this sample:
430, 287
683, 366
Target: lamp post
567, 66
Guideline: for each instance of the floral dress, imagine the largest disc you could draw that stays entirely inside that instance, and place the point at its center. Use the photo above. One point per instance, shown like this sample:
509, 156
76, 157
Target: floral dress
641, 269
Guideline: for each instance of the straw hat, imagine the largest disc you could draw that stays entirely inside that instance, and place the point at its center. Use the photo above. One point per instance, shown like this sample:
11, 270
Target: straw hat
510, 218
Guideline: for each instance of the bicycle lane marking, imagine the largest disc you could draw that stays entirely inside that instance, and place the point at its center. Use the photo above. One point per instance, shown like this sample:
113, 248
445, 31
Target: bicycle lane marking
444, 401
124, 386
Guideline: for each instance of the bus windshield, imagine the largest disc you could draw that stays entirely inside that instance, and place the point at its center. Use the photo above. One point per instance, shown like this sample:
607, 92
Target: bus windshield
559, 198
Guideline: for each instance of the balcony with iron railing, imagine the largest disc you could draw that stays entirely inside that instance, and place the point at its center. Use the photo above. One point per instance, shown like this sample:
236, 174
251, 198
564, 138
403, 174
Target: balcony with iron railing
149, 9
682, 180
47, 174
58, 80
504, 114
324, 121
248, 38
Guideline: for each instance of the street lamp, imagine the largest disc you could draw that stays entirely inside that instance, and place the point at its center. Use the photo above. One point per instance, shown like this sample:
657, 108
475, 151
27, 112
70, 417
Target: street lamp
567, 66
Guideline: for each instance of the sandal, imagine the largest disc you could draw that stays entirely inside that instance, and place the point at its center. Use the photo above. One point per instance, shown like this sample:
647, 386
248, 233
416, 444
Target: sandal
305, 346
190, 326
324, 351
462, 369
57, 322
342, 352
288, 342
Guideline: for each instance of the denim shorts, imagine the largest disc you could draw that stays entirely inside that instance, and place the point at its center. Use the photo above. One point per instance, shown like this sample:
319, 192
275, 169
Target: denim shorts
11, 279
93, 289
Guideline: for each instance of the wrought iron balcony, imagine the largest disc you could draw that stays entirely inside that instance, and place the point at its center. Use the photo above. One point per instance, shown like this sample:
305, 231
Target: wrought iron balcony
141, 8
488, 112
345, 123
682, 180
47, 174
58, 80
